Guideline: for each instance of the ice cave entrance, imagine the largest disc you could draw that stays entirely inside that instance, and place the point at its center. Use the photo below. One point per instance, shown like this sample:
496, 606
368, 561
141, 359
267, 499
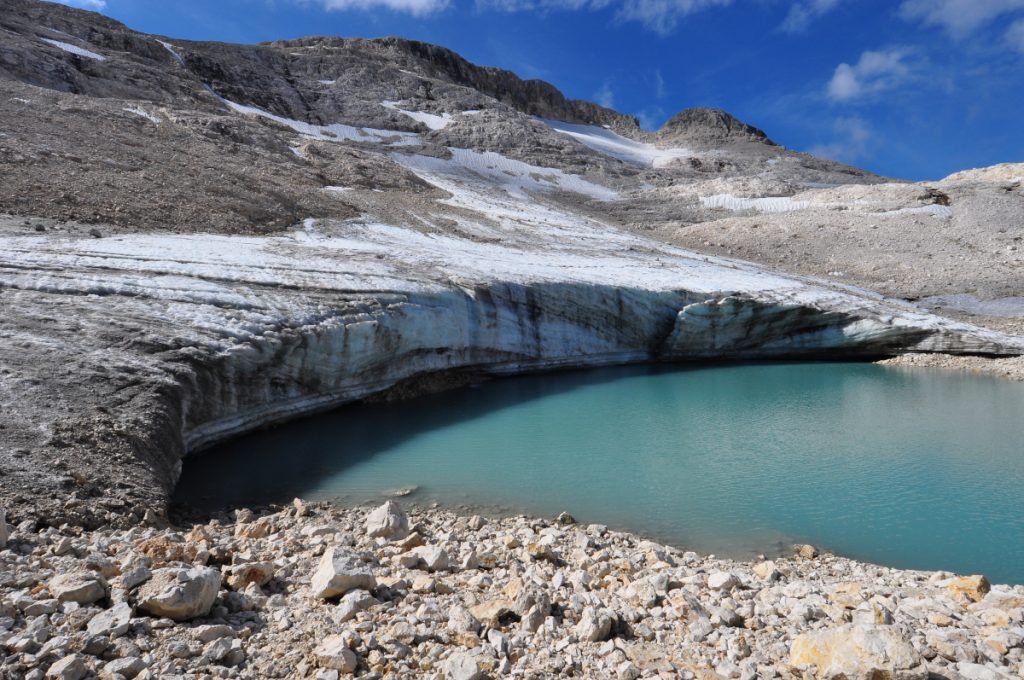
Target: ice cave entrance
908, 468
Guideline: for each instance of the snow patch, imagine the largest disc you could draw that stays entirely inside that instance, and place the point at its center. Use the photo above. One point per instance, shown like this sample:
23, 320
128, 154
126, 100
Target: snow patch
329, 133
770, 204
431, 120
615, 145
174, 52
74, 49
139, 111
327, 82
488, 170
940, 211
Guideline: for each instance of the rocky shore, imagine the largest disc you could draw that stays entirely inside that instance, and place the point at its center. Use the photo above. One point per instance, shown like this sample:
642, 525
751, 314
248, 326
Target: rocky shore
1008, 368
327, 592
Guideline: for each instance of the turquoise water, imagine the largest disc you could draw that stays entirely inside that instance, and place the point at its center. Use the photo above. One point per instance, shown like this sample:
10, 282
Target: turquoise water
917, 469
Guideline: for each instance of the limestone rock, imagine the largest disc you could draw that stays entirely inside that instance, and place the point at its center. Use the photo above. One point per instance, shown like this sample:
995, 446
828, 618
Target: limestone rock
431, 558
975, 588
241, 575
806, 551
83, 587
856, 651
334, 654
353, 602
462, 666
722, 580
766, 571
127, 667
340, 571
388, 521
180, 594
112, 622
495, 613
595, 625
71, 667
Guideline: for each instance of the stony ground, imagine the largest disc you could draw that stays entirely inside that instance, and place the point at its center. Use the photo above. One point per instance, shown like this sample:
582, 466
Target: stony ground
326, 592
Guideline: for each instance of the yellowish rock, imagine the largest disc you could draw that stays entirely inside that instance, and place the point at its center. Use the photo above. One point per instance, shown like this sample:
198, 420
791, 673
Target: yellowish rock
974, 588
856, 651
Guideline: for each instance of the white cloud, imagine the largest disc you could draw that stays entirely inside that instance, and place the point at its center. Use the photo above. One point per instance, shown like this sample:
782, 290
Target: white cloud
875, 71
84, 4
1015, 35
661, 16
852, 145
960, 18
605, 97
413, 7
660, 90
801, 14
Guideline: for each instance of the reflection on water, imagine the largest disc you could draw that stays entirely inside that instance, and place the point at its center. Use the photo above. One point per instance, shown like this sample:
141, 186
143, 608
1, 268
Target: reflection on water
916, 469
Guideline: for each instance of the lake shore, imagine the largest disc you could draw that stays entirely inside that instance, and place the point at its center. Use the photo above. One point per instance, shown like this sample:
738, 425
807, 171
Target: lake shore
1010, 368
434, 594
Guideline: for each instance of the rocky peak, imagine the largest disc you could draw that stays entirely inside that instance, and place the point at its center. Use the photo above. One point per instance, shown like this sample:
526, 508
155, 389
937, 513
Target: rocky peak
701, 126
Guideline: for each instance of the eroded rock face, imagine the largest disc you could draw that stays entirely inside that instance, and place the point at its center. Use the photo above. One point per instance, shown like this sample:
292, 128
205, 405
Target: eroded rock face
180, 594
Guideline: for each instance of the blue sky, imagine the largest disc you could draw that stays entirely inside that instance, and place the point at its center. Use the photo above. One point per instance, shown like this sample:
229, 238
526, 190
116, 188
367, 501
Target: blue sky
907, 88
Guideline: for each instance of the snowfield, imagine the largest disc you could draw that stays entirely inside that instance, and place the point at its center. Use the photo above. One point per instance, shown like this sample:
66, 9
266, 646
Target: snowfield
74, 49
615, 145
329, 133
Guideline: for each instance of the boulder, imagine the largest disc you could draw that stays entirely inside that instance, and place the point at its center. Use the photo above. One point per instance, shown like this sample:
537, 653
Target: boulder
766, 571
431, 557
722, 580
127, 667
806, 551
71, 667
333, 653
388, 521
5, 532
495, 613
974, 588
462, 666
340, 571
595, 625
857, 651
353, 602
241, 575
112, 622
83, 587
180, 594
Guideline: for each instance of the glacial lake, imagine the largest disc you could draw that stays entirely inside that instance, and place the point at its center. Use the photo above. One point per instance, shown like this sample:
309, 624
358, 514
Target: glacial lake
917, 468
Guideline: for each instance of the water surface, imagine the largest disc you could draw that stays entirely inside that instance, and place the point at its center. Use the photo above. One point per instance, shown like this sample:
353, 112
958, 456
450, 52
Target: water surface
918, 469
